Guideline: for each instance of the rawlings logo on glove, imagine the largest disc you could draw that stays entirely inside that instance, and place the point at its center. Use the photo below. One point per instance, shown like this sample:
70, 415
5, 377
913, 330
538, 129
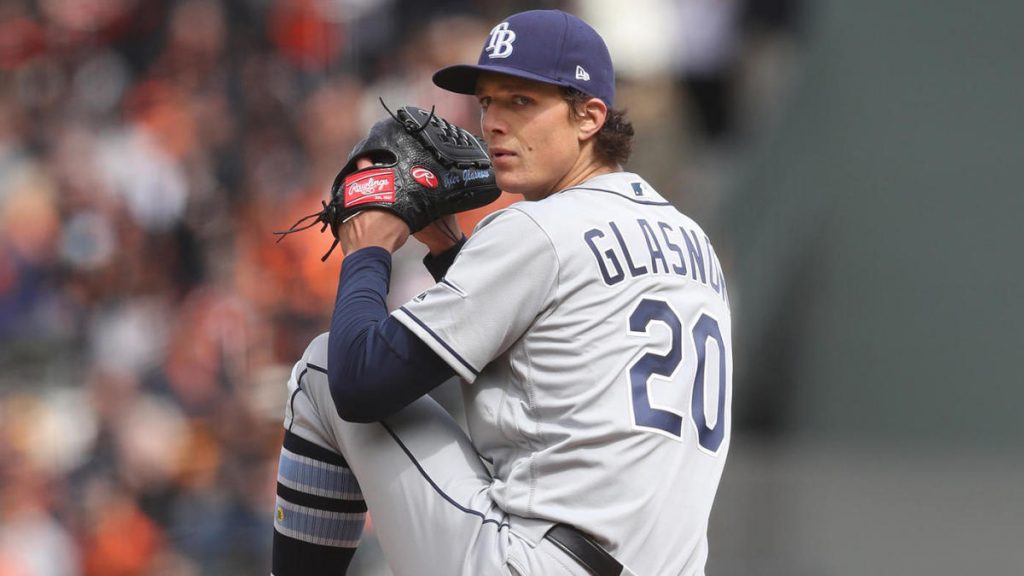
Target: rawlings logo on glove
369, 186
424, 167
424, 177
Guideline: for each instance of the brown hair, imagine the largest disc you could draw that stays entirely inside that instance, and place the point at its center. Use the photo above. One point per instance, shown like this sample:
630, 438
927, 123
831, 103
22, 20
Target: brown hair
614, 141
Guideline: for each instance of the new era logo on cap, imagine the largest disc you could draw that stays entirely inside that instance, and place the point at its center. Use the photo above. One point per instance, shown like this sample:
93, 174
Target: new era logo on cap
548, 46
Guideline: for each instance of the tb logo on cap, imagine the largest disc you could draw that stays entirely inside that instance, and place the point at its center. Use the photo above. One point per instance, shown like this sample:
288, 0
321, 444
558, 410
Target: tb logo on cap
500, 45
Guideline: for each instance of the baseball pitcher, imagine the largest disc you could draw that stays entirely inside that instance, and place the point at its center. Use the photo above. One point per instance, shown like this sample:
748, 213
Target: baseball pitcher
589, 325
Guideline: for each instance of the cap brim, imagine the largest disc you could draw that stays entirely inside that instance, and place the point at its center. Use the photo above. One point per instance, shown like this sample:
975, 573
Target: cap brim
462, 78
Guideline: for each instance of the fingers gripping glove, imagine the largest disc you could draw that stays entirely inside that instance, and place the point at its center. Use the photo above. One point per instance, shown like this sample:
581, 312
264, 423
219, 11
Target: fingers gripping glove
424, 167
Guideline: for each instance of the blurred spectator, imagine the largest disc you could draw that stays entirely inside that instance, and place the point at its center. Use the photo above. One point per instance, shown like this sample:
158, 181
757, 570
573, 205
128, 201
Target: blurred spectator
32, 540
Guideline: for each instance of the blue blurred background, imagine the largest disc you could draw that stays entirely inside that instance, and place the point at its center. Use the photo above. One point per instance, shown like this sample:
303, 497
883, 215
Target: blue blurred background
856, 163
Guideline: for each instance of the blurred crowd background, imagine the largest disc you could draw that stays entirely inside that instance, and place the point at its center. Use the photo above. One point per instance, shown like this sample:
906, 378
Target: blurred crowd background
148, 319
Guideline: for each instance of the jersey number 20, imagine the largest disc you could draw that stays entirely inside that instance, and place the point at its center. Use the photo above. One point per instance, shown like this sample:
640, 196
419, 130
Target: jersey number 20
665, 365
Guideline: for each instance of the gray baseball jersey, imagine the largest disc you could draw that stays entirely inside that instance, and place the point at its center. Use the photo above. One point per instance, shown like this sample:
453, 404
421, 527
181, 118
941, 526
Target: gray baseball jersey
592, 330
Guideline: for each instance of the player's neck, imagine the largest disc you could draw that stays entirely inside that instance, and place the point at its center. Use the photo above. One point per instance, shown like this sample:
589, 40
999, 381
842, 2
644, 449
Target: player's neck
588, 167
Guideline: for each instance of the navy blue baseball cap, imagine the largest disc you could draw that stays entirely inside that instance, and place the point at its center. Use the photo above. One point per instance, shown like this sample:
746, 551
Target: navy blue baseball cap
545, 45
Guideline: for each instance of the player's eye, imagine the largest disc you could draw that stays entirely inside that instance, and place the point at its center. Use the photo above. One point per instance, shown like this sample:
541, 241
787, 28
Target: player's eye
521, 100
484, 101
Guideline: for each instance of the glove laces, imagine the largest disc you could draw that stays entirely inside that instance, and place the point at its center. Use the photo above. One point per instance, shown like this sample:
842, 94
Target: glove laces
317, 218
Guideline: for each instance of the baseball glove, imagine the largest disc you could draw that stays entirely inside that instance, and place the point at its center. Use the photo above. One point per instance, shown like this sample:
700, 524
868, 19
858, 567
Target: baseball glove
424, 167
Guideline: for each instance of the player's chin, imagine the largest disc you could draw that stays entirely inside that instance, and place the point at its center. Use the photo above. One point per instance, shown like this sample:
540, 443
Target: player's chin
508, 182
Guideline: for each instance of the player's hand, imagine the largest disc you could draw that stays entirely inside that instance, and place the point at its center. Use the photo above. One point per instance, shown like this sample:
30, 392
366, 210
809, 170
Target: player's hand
441, 234
372, 227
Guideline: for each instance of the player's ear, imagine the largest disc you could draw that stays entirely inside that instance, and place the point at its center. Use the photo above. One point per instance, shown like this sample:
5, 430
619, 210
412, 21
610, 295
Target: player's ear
591, 117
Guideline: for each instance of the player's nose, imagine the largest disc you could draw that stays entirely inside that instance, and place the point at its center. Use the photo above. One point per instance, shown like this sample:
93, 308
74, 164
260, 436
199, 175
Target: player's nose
491, 122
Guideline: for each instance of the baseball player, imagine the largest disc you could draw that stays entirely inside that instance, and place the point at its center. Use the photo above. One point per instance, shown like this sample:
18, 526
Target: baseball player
589, 324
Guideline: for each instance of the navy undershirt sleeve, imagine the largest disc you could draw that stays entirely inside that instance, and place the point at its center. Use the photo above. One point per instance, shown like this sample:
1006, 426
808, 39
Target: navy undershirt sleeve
438, 265
375, 365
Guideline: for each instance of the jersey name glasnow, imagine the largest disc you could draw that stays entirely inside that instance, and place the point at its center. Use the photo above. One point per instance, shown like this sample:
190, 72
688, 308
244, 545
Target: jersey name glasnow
671, 249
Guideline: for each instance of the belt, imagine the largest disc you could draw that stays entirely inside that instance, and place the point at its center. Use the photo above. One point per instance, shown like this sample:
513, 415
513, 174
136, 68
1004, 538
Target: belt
584, 550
